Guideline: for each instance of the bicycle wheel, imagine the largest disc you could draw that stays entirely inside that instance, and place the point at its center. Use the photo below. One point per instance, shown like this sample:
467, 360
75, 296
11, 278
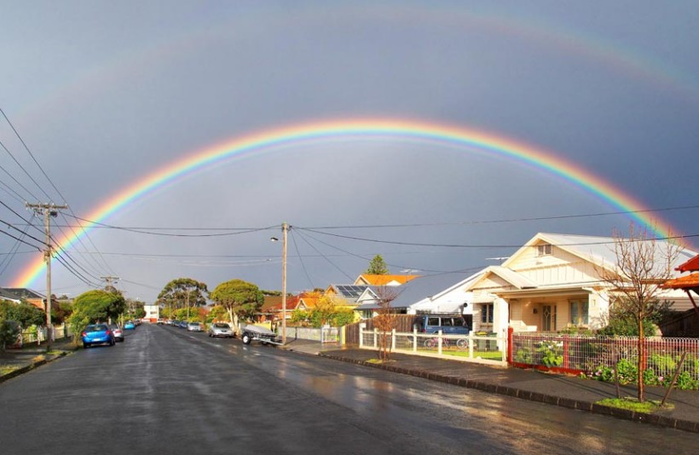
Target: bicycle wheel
462, 343
430, 343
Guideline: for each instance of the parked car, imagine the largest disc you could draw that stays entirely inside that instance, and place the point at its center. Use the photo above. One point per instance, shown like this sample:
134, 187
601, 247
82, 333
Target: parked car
97, 334
182, 324
220, 329
449, 324
129, 325
194, 327
118, 333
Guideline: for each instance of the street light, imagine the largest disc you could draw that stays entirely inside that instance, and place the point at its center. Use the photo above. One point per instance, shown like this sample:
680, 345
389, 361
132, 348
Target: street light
285, 229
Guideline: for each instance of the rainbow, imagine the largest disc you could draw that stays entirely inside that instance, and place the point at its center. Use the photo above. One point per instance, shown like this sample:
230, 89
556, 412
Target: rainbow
374, 129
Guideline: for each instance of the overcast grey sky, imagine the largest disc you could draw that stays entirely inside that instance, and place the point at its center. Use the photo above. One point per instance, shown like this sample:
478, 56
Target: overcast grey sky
106, 93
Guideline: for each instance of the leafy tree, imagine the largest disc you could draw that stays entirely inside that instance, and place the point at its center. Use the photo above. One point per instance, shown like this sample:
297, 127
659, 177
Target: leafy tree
61, 311
24, 313
300, 317
9, 331
377, 266
184, 293
642, 266
272, 293
217, 313
239, 298
95, 306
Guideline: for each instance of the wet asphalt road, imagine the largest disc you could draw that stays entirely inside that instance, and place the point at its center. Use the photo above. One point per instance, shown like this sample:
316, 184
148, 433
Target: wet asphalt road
165, 390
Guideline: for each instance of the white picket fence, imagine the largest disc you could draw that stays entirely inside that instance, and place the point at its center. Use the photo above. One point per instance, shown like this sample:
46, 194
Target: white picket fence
487, 349
324, 335
39, 336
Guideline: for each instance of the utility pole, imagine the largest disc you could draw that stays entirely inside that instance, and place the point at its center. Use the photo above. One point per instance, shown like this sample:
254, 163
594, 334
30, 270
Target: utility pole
285, 230
48, 210
109, 286
110, 280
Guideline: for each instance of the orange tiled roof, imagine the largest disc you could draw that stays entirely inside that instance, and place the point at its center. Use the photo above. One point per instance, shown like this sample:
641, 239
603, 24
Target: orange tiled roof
381, 280
690, 266
684, 282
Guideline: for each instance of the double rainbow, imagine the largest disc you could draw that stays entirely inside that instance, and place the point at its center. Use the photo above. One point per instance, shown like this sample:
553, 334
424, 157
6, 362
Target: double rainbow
465, 139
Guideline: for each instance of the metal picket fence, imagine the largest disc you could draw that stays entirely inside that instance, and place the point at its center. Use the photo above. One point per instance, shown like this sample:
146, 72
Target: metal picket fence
589, 354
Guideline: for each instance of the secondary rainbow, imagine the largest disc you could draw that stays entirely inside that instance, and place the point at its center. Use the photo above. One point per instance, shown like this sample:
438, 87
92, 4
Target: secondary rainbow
469, 140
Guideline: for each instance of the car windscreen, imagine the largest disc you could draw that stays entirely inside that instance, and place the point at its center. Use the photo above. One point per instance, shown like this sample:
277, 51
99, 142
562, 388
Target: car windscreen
221, 326
96, 328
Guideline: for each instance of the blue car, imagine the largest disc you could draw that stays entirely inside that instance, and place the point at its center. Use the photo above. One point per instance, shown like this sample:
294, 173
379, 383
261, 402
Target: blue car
97, 334
129, 325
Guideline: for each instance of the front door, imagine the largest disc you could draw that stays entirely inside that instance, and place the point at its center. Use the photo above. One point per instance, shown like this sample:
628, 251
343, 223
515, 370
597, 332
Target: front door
548, 318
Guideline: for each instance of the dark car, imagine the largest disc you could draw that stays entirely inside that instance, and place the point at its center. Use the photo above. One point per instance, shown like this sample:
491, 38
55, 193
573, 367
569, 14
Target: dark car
97, 334
449, 324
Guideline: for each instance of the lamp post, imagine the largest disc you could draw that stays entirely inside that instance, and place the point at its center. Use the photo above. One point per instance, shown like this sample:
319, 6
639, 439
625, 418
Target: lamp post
285, 230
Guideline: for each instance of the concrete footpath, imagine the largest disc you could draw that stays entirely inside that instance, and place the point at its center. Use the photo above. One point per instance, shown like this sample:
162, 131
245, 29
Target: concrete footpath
559, 390
15, 362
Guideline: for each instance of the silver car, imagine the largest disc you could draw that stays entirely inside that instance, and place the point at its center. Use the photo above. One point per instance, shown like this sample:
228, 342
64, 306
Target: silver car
194, 327
220, 329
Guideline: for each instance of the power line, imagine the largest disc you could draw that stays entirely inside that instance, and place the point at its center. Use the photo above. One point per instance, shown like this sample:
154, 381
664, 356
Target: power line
149, 230
510, 220
325, 257
367, 258
303, 264
53, 185
33, 158
457, 245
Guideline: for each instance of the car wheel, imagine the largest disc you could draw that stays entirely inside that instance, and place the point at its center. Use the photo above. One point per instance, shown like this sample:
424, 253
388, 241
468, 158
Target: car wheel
247, 339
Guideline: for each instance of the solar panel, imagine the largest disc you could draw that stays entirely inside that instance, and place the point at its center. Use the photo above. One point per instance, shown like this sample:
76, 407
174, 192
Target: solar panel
350, 290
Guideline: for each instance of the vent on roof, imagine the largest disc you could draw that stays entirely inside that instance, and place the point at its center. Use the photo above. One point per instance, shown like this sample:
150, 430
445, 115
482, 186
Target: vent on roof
544, 250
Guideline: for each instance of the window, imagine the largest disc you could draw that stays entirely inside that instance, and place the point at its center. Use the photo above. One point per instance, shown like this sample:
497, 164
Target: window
544, 250
487, 314
579, 312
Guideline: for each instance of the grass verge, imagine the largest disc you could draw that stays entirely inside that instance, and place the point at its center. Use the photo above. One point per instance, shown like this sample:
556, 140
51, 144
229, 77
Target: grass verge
632, 404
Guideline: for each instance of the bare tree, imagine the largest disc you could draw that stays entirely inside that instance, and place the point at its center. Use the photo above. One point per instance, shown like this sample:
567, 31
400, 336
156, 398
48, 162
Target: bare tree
385, 321
643, 265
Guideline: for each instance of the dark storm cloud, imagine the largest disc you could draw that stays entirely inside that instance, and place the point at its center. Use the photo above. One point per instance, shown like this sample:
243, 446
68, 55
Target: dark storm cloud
106, 93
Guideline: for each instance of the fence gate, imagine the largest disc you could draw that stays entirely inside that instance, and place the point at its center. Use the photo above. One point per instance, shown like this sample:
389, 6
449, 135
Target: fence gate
404, 323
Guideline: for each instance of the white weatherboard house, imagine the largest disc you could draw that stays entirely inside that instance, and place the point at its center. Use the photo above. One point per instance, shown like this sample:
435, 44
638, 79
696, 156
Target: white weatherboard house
551, 283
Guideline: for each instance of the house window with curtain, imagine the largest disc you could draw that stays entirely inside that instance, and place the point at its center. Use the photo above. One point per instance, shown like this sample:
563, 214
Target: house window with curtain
487, 313
579, 310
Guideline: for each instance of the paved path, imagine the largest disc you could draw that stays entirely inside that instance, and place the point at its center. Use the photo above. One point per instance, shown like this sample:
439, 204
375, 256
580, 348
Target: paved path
560, 390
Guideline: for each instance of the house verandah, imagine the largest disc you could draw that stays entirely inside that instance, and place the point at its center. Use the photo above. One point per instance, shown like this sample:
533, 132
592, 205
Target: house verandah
551, 283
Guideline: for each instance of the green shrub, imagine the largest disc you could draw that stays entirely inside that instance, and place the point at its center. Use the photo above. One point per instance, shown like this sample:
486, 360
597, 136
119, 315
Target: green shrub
551, 353
524, 355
